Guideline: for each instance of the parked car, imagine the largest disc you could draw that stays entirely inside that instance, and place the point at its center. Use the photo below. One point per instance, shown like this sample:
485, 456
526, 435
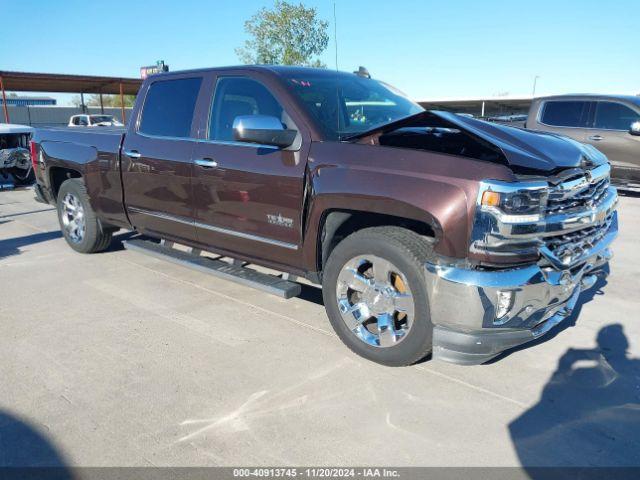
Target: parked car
429, 232
611, 123
15, 162
515, 120
84, 120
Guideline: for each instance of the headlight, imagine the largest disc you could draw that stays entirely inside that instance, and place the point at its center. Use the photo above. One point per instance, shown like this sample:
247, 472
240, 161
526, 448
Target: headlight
507, 217
513, 205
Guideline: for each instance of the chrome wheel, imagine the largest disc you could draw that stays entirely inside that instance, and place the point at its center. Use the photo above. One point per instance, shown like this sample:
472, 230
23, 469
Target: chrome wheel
375, 300
73, 219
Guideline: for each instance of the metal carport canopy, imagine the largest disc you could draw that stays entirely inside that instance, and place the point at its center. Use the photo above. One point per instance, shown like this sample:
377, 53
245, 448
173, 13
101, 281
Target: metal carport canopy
62, 83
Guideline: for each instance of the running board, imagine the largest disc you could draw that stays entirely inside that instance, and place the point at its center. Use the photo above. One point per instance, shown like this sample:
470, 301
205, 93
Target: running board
235, 273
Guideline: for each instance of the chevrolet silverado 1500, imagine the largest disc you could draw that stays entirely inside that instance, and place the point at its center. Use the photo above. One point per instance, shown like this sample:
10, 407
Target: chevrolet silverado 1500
429, 232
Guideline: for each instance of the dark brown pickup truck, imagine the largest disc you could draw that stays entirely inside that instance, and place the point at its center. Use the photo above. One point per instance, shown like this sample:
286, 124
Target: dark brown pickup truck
429, 232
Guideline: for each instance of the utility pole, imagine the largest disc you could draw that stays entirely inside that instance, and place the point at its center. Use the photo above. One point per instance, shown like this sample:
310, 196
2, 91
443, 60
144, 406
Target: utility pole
335, 32
535, 81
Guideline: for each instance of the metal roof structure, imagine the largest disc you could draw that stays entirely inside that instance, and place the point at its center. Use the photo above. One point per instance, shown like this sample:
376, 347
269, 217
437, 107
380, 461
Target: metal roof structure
480, 106
63, 83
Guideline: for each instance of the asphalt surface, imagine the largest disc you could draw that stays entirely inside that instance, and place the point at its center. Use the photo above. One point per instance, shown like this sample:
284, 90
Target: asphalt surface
119, 359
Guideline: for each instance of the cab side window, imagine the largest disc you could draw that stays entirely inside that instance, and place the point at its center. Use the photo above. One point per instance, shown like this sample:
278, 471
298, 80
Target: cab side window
571, 113
237, 96
169, 106
82, 121
614, 116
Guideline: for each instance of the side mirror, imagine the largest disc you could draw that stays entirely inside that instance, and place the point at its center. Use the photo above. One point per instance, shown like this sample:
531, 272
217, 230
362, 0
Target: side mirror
635, 129
263, 130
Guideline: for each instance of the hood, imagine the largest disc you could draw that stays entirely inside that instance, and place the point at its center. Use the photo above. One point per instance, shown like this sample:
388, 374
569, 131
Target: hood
520, 148
530, 148
12, 128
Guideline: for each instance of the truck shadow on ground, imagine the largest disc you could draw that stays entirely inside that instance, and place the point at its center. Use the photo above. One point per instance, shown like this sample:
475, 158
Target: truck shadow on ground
589, 411
311, 293
116, 243
22, 446
13, 246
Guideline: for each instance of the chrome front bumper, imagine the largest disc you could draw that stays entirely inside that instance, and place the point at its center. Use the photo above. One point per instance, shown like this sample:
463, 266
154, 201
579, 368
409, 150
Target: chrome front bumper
465, 303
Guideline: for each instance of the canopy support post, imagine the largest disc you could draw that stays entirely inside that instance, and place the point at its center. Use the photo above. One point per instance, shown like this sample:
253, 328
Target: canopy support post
124, 119
4, 102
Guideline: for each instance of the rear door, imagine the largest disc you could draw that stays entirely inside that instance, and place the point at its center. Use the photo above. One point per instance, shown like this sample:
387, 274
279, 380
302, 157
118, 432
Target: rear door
156, 159
566, 117
609, 133
248, 197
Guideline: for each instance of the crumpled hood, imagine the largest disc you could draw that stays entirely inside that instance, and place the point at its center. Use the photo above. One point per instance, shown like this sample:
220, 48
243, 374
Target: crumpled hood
528, 149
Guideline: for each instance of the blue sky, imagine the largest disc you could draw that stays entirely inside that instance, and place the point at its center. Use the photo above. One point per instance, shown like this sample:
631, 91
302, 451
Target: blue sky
429, 49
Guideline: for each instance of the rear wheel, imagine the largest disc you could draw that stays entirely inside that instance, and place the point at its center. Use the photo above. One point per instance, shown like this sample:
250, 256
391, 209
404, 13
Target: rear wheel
375, 294
81, 228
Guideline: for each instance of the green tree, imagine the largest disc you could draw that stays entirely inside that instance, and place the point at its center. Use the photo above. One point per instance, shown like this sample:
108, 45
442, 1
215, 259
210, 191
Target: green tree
288, 34
93, 100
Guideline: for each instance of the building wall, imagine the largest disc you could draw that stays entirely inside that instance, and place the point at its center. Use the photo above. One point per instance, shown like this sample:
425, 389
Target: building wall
39, 116
20, 101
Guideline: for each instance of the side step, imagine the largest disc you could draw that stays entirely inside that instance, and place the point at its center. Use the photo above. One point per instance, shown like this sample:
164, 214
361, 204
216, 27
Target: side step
235, 273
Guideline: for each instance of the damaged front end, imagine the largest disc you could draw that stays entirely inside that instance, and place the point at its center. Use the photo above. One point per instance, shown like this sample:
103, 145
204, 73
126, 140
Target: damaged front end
15, 166
559, 230
15, 159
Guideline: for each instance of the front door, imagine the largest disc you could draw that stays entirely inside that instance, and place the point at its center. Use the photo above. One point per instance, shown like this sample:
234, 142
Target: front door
610, 134
156, 161
248, 197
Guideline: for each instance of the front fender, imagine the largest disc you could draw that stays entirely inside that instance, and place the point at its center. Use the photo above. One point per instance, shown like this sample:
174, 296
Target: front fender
440, 205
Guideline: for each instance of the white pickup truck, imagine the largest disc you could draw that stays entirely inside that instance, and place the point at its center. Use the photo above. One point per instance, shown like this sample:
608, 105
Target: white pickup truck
86, 120
15, 161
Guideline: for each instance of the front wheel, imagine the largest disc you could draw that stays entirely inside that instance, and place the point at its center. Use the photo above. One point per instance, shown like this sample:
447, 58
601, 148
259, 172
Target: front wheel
375, 294
81, 228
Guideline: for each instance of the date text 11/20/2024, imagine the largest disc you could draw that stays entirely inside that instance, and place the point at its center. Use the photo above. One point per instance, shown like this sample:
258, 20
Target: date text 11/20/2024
320, 472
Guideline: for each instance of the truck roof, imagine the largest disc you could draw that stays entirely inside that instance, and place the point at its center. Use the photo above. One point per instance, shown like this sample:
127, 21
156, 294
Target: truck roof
282, 70
594, 96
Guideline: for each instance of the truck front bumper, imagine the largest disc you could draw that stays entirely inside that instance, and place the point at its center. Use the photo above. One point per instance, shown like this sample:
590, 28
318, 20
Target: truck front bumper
478, 314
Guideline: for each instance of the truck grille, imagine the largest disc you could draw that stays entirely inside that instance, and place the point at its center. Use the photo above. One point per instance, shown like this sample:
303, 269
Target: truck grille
576, 195
571, 246
581, 192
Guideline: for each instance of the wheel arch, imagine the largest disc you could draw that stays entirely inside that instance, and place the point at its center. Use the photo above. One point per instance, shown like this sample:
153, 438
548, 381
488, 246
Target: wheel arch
58, 175
338, 223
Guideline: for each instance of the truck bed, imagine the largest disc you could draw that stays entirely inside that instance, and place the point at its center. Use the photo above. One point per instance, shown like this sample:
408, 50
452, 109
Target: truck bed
95, 154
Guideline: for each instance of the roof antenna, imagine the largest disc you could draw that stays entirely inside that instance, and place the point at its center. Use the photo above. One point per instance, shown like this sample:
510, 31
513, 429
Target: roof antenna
335, 32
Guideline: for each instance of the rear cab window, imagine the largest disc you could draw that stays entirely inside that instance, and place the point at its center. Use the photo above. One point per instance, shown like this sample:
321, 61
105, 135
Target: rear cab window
169, 107
565, 113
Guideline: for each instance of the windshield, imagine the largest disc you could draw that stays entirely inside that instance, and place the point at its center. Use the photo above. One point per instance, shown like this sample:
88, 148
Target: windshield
102, 118
345, 105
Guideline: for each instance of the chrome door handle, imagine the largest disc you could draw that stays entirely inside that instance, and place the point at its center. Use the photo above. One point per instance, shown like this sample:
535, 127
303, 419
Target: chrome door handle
132, 153
596, 138
206, 163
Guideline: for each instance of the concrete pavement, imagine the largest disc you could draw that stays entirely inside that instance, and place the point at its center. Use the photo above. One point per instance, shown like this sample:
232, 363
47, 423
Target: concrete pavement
118, 359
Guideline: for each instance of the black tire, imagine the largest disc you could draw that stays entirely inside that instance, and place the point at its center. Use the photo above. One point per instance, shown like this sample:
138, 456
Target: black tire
95, 238
406, 250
